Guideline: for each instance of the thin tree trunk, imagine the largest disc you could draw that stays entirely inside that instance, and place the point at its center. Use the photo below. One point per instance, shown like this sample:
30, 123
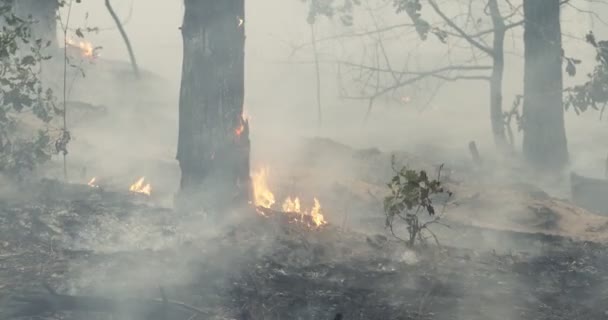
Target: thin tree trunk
498, 67
496, 112
213, 146
544, 142
318, 76
125, 38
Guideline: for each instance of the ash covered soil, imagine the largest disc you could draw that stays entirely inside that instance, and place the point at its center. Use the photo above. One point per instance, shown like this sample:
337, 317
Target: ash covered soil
76, 242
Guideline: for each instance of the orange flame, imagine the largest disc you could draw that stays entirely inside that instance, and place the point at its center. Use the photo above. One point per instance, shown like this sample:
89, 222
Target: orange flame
290, 205
140, 187
264, 198
316, 215
85, 47
92, 183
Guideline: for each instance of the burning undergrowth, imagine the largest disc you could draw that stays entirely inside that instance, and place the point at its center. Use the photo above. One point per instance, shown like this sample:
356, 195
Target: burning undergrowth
265, 202
86, 241
86, 217
285, 262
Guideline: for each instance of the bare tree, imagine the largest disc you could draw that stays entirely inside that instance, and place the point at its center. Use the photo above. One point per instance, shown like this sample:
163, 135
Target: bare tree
496, 54
471, 70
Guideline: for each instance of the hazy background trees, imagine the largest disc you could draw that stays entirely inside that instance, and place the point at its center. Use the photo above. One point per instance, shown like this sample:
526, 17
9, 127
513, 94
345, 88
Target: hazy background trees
431, 116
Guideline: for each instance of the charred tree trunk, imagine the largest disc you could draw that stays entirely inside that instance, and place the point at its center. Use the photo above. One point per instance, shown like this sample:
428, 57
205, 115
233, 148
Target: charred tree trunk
498, 67
544, 142
44, 13
213, 146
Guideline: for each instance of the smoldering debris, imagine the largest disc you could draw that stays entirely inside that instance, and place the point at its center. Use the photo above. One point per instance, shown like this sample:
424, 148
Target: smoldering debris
267, 268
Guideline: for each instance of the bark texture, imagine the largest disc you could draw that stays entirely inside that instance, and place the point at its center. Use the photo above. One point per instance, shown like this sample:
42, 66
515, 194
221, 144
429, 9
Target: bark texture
213, 146
44, 13
544, 142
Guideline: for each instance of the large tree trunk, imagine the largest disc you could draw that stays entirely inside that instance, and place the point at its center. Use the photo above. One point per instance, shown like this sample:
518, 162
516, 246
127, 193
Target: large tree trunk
44, 13
213, 146
544, 142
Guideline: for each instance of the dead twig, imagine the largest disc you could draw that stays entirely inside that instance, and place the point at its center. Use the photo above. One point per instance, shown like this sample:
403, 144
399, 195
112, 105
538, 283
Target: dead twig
475, 153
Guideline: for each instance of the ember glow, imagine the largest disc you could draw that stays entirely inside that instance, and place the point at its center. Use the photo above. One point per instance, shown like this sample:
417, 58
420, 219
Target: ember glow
239, 130
93, 183
264, 198
141, 187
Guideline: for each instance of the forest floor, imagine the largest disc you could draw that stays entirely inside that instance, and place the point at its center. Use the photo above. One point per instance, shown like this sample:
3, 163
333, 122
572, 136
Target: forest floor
511, 252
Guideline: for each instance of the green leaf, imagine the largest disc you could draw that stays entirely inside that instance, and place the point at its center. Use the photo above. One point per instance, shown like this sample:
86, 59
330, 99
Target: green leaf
79, 33
28, 61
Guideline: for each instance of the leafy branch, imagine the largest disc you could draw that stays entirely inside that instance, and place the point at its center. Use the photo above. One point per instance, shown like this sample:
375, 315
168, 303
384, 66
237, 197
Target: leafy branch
411, 194
23, 145
594, 92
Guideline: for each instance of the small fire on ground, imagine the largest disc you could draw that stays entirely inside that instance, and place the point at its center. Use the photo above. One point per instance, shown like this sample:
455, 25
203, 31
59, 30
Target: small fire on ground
265, 199
140, 186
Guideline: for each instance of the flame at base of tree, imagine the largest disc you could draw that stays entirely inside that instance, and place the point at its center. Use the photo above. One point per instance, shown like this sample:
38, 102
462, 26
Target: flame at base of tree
265, 200
262, 195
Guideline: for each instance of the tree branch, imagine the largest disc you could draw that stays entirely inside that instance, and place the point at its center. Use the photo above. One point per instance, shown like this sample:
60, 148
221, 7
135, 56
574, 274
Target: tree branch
462, 33
439, 70
125, 38
422, 75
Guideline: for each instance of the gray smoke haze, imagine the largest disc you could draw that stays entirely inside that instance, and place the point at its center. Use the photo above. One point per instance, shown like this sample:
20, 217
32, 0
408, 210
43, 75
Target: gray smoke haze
138, 135
280, 84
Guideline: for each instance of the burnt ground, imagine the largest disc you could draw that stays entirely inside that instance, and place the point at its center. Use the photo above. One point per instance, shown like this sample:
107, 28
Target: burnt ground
82, 241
